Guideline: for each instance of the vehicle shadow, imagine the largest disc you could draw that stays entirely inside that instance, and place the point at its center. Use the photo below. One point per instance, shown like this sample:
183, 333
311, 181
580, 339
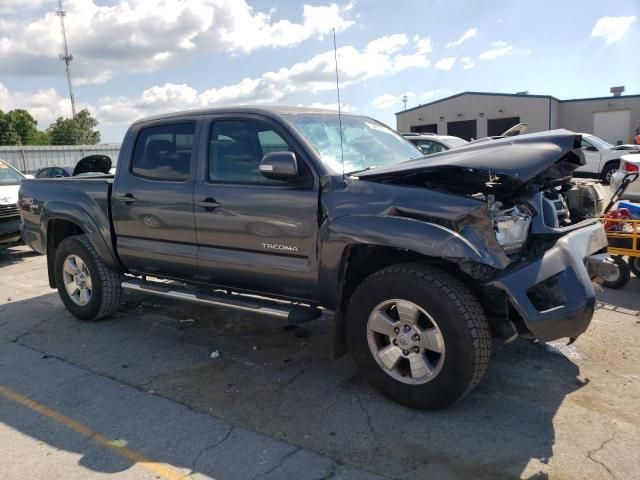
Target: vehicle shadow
13, 255
623, 298
278, 381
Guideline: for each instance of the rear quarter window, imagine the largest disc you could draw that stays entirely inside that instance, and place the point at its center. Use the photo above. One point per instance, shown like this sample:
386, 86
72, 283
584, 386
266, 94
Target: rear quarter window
163, 152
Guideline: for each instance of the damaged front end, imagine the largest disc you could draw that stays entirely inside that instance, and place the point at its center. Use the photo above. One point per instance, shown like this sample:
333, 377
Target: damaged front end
544, 246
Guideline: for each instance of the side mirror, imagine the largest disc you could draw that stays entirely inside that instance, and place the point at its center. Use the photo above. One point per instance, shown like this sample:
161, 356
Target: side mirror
591, 149
279, 166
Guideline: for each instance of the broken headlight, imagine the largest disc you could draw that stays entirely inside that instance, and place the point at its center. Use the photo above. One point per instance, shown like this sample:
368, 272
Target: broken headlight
512, 228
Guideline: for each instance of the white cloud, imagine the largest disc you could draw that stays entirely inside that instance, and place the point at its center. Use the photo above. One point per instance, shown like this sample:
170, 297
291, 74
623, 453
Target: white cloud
445, 63
467, 63
472, 32
381, 56
44, 105
423, 44
612, 29
500, 49
147, 35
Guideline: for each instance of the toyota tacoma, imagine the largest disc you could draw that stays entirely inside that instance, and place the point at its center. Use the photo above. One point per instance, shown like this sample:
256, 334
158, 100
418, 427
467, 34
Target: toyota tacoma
287, 211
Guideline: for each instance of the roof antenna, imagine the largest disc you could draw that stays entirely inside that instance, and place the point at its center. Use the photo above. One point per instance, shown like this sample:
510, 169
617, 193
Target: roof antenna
335, 56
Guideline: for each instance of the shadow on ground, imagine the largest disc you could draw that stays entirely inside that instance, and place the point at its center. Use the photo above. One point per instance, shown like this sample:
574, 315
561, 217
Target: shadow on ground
280, 382
13, 255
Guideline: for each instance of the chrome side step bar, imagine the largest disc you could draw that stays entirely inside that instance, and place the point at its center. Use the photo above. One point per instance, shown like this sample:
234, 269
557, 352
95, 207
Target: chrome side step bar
291, 312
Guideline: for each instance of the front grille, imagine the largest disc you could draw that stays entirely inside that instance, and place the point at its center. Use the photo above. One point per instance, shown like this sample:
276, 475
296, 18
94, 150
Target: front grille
7, 211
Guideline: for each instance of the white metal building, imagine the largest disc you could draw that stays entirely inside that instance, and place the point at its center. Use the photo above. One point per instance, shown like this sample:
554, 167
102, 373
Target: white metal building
480, 114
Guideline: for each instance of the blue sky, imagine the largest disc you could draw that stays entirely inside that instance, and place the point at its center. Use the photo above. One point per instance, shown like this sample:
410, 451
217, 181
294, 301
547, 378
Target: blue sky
140, 57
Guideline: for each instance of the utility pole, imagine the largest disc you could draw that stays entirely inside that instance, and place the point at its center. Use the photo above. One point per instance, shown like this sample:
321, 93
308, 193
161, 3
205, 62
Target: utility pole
66, 57
404, 102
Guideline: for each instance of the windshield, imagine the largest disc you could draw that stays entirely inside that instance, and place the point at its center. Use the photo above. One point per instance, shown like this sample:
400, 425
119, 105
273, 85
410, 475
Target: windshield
365, 142
600, 143
8, 176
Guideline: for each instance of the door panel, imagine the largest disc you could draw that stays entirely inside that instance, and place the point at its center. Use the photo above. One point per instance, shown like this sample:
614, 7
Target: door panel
254, 234
152, 202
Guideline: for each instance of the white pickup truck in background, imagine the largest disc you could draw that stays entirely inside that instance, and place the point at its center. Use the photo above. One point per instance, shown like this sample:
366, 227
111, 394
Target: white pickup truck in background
602, 158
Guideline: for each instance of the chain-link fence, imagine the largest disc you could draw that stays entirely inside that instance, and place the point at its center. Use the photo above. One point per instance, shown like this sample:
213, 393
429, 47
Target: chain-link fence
32, 159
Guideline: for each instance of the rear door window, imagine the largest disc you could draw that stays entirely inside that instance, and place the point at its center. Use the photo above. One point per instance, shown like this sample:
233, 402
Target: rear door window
163, 152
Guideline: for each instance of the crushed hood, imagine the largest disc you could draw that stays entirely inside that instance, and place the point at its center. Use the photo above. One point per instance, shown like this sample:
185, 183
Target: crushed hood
497, 167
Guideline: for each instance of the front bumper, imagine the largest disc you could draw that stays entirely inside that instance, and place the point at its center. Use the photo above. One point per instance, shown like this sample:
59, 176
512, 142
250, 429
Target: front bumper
10, 231
554, 294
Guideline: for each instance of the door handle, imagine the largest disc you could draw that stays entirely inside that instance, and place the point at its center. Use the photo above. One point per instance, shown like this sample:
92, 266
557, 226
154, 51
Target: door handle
127, 198
208, 204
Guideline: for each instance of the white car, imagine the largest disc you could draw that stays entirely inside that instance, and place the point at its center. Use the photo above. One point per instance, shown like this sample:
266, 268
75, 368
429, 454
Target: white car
10, 221
628, 163
602, 158
429, 143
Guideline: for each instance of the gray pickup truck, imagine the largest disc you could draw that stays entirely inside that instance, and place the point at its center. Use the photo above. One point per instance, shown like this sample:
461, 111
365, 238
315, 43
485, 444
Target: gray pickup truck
287, 211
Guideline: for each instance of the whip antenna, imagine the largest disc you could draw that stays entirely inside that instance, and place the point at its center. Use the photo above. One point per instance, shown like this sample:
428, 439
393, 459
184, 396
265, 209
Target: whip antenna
335, 57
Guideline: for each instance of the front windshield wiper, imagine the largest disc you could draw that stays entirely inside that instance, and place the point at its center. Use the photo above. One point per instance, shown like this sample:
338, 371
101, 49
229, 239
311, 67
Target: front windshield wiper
362, 170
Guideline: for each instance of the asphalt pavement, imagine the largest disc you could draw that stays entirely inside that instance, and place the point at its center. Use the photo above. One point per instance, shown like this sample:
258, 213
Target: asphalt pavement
140, 396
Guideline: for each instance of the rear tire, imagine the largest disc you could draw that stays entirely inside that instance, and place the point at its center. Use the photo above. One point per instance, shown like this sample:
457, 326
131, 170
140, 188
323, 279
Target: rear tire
88, 289
608, 171
449, 320
623, 276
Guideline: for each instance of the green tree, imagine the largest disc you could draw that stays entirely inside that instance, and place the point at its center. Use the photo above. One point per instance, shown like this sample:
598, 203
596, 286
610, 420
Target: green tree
41, 138
8, 132
24, 124
74, 131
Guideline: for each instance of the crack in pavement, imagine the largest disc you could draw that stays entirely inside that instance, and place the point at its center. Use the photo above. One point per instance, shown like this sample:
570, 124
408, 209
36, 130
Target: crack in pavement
208, 447
595, 450
280, 463
369, 419
332, 472
33, 328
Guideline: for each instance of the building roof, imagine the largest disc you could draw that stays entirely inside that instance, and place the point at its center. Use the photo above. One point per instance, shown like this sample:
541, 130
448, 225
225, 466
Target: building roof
494, 94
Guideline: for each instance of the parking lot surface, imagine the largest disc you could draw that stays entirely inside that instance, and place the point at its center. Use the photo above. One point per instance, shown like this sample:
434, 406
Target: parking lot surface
140, 396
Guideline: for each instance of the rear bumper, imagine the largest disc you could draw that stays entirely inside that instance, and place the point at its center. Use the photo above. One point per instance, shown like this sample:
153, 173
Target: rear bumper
554, 294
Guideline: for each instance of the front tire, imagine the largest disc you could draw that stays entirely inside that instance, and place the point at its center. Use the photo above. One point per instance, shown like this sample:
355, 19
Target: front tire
419, 335
88, 289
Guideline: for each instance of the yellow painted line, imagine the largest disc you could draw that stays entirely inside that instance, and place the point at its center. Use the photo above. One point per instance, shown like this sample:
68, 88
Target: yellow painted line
116, 446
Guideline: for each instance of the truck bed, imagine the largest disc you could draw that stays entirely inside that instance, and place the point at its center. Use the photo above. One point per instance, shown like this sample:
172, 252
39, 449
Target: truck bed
66, 198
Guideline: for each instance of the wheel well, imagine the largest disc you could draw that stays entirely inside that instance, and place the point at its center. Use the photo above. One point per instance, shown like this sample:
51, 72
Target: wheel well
618, 160
57, 231
360, 261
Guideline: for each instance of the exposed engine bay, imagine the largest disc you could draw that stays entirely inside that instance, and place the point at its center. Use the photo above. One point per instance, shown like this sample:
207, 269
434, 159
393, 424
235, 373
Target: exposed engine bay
526, 182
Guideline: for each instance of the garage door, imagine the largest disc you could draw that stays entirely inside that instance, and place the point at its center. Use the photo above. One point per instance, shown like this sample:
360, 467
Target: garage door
464, 129
612, 126
497, 126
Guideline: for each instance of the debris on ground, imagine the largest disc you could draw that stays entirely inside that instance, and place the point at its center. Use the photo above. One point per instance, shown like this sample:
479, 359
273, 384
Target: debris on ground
215, 355
186, 320
568, 351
